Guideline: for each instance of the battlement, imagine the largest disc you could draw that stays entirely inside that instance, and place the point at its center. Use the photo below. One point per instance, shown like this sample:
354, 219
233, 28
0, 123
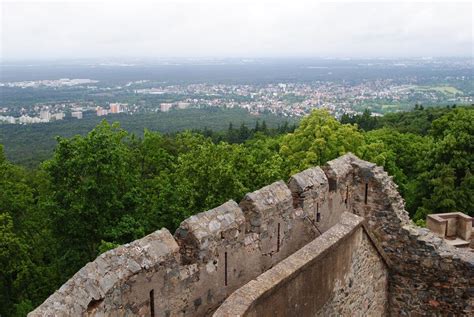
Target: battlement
282, 232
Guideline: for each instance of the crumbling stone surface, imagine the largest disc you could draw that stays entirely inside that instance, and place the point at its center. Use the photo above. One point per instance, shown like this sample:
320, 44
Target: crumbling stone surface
308, 184
339, 171
218, 251
310, 190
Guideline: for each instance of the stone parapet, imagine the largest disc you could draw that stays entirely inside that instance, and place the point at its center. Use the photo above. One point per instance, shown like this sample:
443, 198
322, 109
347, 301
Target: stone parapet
200, 235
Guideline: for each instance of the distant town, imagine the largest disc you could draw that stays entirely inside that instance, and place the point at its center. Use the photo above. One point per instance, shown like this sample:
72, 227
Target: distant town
285, 99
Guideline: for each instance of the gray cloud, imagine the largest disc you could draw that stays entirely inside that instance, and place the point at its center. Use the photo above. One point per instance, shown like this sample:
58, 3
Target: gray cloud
234, 29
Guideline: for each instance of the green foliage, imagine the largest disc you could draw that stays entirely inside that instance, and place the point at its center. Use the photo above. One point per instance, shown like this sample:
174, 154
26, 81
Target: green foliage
94, 190
365, 121
105, 246
403, 155
31, 144
26, 270
447, 179
318, 139
421, 223
12, 260
418, 121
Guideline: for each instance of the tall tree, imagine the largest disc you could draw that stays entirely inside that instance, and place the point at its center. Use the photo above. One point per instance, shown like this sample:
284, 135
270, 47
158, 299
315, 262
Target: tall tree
318, 139
94, 189
448, 176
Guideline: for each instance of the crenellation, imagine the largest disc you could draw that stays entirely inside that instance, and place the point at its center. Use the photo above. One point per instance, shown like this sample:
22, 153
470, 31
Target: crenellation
200, 235
91, 290
310, 190
339, 171
262, 206
340, 176
380, 263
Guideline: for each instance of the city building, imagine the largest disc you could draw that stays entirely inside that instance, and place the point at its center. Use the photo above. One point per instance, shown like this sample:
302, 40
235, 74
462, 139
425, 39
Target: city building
76, 114
164, 107
58, 116
183, 105
8, 119
45, 115
101, 111
115, 108
28, 119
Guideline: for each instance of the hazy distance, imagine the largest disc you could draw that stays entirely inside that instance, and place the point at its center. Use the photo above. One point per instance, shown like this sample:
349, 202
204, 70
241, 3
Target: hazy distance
36, 30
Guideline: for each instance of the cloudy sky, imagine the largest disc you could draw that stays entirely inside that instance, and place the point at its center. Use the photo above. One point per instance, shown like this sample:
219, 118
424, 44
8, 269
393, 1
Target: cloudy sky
234, 28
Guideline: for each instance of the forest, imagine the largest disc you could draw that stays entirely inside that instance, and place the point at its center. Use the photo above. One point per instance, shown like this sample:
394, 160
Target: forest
30, 144
111, 186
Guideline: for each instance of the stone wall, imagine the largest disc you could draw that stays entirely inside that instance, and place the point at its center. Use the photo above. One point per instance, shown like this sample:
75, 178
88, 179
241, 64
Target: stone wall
97, 288
338, 274
211, 254
214, 253
427, 276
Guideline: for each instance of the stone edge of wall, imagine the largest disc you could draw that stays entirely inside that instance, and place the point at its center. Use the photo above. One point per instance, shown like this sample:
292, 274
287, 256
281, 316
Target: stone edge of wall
242, 300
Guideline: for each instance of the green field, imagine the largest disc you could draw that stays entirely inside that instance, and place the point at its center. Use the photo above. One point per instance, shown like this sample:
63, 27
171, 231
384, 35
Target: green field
445, 89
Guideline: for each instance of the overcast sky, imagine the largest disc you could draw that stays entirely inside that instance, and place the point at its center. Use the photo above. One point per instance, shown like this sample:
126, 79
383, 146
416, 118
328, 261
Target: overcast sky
228, 28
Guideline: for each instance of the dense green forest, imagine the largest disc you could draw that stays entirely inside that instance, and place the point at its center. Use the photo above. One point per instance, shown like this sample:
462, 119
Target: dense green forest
31, 144
110, 186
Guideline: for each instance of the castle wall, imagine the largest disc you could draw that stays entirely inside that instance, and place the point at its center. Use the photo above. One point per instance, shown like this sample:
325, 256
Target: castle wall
427, 276
211, 255
339, 273
97, 289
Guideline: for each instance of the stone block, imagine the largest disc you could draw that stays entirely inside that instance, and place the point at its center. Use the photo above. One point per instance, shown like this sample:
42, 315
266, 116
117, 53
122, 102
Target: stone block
201, 235
339, 170
308, 187
267, 204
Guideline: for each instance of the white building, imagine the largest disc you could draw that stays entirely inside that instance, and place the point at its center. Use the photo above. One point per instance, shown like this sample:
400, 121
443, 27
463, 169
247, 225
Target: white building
45, 115
183, 105
76, 114
58, 116
28, 119
7, 119
165, 107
